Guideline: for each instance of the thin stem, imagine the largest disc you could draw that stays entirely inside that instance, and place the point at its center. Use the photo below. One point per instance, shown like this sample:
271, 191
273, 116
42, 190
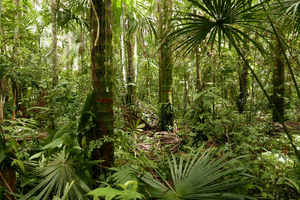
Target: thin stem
98, 28
265, 92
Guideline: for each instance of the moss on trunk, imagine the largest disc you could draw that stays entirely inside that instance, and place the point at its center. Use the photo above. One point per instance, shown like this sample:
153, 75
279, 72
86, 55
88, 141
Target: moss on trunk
102, 81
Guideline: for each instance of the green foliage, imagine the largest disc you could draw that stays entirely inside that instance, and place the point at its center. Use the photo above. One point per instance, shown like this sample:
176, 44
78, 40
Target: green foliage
129, 150
126, 194
52, 128
202, 178
194, 177
66, 191
57, 173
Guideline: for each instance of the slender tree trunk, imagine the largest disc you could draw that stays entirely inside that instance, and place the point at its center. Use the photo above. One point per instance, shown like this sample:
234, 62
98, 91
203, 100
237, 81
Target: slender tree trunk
2, 101
122, 50
146, 66
243, 81
185, 98
198, 71
135, 58
102, 81
130, 74
130, 69
166, 68
68, 52
81, 53
4, 88
0, 13
278, 84
15, 85
54, 42
1, 42
16, 33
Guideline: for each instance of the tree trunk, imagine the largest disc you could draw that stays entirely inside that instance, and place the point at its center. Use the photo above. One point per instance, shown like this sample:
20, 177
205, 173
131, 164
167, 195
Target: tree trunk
198, 82
0, 13
243, 81
147, 85
102, 81
2, 101
166, 68
278, 84
4, 88
8, 179
54, 42
16, 94
122, 50
130, 74
130, 69
68, 52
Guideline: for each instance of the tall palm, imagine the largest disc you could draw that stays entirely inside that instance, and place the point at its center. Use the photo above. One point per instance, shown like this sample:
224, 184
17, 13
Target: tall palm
224, 20
102, 81
166, 68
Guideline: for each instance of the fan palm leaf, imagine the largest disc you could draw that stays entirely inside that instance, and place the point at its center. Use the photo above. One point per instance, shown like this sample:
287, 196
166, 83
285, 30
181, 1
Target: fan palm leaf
289, 12
56, 174
216, 17
221, 20
199, 177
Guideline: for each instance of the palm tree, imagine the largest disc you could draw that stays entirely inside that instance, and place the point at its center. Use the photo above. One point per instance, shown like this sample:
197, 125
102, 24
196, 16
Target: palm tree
102, 81
130, 67
166, 68
225, 20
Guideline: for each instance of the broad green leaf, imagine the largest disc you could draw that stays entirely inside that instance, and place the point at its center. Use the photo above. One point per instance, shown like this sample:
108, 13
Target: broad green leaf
56, 143
106, 191
37, 155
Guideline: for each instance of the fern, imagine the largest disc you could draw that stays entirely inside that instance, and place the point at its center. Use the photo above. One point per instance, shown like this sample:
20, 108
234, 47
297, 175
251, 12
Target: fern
123, 174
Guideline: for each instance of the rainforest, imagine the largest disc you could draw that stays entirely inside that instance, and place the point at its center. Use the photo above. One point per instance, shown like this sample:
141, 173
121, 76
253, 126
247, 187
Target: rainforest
149, 99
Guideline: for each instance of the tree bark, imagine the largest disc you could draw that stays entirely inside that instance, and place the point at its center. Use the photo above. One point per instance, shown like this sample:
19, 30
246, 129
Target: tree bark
102, 81
68, 52
0, 13
278, 84
130, 69
130, 74
198, 69
54, 42
8, 179
166, 68
243, 81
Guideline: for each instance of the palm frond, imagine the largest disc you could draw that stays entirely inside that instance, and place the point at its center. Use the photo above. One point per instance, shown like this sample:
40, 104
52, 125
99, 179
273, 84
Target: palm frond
199, 177
290, 11
55, 176
215, 17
